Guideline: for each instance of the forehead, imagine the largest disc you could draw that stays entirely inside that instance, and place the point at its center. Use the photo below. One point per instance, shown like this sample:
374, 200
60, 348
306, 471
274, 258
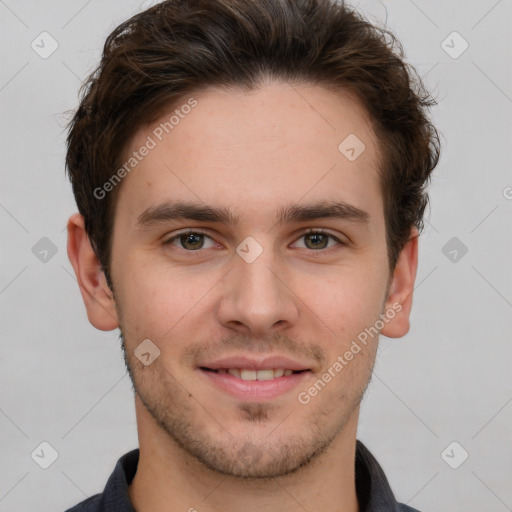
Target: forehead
254, 152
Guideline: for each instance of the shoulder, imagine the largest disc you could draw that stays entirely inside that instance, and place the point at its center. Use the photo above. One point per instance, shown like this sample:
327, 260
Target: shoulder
91, 504
406, 508
115, 495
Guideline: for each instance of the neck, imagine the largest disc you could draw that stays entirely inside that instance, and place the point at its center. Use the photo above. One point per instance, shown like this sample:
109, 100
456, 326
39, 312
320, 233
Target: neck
169, 479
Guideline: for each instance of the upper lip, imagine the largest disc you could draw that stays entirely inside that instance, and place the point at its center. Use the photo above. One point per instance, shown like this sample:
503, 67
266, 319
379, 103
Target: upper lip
250, 363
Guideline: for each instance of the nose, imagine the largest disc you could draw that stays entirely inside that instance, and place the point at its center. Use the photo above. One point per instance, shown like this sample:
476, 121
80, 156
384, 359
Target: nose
256, 298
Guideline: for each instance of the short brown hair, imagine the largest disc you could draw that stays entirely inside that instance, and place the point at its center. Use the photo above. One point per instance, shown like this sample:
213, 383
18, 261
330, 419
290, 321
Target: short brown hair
176, 47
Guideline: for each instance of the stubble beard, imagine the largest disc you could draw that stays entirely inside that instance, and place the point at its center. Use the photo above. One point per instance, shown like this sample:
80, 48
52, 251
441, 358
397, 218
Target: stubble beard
176, 412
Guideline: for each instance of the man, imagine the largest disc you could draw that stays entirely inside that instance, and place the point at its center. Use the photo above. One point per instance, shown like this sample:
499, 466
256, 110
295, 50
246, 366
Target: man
250, 177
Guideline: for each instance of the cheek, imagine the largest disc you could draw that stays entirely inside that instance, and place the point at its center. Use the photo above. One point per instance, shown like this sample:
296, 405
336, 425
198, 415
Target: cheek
158, 298
348, 301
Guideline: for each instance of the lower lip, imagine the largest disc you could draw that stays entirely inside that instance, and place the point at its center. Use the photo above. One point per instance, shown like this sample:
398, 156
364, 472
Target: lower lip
255, 390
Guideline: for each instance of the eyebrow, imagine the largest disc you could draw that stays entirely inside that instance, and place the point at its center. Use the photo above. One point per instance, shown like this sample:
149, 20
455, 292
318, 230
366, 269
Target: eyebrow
179, 209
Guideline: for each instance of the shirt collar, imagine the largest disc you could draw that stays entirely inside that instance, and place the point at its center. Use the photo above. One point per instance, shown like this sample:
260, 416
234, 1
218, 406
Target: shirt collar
372, 487
373, 491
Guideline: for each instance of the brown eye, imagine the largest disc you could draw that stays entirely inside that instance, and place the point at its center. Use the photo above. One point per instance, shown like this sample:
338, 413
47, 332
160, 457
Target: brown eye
317, 240
190, 241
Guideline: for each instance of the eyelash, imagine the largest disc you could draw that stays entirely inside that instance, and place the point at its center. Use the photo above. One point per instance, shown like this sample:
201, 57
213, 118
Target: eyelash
308, 231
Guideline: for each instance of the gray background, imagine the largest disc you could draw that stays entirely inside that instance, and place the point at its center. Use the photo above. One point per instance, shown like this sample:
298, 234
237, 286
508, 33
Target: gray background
449, 379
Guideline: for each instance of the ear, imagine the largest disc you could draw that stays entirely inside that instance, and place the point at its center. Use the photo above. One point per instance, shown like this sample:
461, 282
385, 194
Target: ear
401, 289
96, 294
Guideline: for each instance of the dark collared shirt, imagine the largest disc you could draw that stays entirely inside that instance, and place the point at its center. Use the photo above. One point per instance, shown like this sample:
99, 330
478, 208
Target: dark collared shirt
373, 491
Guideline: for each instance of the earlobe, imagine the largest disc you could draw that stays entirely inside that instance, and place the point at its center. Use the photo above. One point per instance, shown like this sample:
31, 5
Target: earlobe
399, 300
96, 294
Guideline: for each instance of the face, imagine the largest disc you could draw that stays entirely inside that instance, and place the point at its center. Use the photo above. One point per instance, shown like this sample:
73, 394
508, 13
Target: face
259, 275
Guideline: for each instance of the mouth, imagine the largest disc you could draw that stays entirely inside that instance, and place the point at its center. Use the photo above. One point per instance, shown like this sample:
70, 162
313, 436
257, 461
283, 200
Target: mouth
251, 375
250, 385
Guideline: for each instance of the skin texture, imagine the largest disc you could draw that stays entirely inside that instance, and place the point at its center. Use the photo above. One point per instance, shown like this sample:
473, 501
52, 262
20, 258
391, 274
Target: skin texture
252, 153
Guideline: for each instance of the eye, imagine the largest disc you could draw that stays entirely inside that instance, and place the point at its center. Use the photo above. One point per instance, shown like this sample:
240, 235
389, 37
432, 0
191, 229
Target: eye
318, 239
190, 240
193, 240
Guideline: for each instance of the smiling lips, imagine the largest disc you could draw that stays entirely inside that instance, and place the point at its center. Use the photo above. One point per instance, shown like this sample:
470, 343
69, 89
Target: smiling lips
255, 379
246, 374
249, 368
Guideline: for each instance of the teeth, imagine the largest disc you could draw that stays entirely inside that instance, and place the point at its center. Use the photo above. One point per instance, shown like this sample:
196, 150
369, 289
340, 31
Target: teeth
267, 374
248, 374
